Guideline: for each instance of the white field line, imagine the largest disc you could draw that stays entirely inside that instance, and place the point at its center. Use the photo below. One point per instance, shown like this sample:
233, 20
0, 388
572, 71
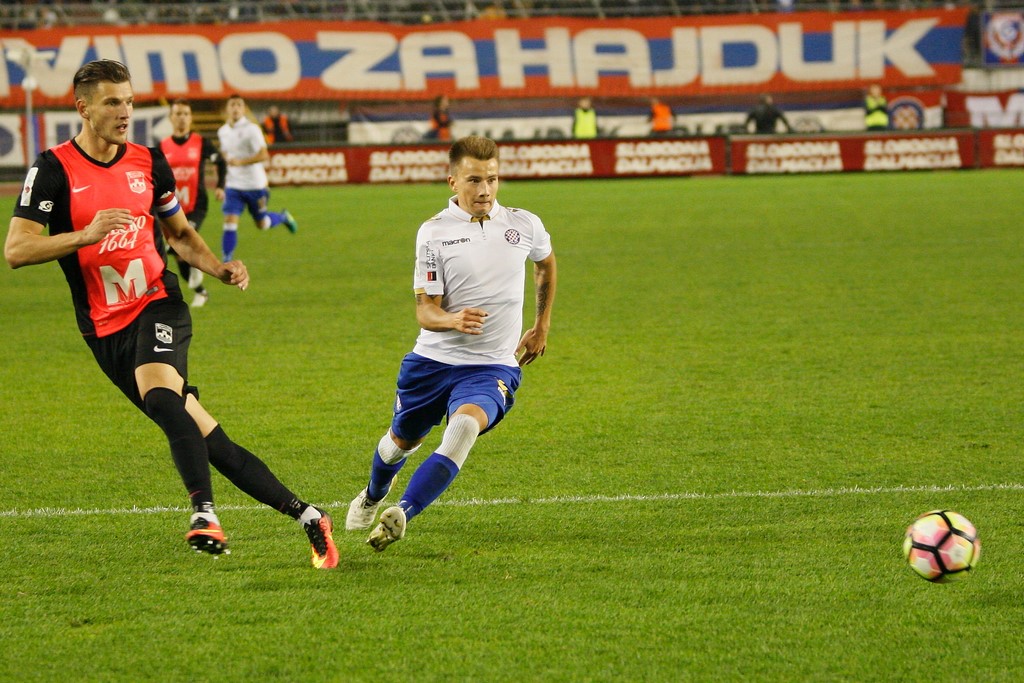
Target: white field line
632, 498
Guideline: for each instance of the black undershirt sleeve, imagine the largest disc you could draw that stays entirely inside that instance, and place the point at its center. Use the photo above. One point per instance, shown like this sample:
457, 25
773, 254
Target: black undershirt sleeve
44, 197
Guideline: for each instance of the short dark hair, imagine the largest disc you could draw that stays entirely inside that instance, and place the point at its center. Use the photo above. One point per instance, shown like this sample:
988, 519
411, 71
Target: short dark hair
473, 146
96, 72
181, 101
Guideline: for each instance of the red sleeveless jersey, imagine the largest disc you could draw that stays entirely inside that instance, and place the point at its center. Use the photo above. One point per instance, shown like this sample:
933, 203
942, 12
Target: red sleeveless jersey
185, 160
124, 271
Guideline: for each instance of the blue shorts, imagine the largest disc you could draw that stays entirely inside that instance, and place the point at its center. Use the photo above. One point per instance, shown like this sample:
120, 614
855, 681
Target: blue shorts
428, 391
236, 201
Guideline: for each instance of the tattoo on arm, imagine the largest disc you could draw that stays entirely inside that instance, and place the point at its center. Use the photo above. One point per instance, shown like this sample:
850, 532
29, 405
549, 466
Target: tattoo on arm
542, 298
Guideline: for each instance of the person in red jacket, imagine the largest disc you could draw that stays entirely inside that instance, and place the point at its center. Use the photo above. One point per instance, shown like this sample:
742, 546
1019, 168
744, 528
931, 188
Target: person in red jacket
276, 127
660, 117
109, 204
440, 120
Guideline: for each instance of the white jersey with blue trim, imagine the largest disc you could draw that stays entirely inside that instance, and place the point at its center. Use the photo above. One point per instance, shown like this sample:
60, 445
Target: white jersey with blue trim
478, 264
241, 140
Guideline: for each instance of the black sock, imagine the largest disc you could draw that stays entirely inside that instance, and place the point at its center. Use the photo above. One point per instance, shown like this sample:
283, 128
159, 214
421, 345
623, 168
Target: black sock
251, 475
188, 449
184, 268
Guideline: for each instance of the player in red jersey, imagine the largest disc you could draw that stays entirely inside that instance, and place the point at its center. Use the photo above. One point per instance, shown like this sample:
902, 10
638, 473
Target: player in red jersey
98, 194
187, 153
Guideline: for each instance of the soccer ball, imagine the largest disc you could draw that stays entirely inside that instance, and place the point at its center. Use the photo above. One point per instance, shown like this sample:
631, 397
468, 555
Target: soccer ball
941, 545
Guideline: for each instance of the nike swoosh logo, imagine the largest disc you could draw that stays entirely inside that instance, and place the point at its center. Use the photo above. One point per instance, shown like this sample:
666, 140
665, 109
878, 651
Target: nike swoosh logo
76, 190
158, 349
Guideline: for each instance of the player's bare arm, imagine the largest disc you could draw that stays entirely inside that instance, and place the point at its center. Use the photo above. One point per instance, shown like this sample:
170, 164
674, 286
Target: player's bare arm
190, 246
26, 245
431, 316
534, 341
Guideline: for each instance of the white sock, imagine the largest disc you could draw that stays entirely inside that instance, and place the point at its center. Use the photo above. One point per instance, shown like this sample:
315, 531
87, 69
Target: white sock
310, 515
208, 516
389, 450
459, 437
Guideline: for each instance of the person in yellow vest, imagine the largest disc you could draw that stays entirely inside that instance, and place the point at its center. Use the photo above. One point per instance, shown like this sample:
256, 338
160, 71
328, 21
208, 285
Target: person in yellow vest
584, 120
876, 109
660, 117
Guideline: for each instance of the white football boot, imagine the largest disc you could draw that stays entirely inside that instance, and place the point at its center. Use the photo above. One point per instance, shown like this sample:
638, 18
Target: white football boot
391, 529
362, 512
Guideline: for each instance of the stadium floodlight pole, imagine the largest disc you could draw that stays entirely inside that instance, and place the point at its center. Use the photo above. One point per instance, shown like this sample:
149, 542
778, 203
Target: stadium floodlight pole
26, 58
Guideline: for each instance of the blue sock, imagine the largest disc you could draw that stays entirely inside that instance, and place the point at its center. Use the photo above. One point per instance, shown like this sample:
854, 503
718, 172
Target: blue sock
275, 218
228, 242
428, 482
381, 475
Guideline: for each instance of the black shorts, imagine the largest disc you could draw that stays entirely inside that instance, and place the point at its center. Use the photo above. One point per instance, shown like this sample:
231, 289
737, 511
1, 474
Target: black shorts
161, 334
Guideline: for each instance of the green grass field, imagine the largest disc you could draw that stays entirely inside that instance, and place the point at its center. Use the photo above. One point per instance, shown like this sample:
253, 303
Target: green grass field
752, 386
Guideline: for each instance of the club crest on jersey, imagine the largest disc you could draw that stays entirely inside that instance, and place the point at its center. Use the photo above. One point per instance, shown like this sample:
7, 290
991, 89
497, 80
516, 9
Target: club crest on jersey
136, 181
512, 236
164, 334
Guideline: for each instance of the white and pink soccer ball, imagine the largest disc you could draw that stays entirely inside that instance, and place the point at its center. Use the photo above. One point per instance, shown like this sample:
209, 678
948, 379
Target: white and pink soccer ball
941, 545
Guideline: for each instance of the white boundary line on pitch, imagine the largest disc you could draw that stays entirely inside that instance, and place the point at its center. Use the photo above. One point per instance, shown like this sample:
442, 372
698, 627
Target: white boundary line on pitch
640, 498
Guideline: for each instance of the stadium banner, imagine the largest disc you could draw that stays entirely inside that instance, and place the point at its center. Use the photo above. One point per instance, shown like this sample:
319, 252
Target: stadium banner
785, 154
1002, 38
540, 125
536, 119
1001, 148
985, 110
549, 57
913, 110
148, 126
12, 141
519, 161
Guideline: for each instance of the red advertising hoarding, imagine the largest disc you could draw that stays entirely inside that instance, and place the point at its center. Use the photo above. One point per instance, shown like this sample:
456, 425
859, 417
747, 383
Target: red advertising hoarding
864, 152
1001, 148
519, 161
648, 157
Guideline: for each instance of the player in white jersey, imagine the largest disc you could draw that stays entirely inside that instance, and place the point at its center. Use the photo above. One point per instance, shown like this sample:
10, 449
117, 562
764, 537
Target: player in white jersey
469, 283
244, 149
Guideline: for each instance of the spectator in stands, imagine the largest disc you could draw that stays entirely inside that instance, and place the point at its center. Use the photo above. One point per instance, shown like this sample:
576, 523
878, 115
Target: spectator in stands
440, 120
765, 116
584, 120
876, 109
660, 117
276, 127
493, 10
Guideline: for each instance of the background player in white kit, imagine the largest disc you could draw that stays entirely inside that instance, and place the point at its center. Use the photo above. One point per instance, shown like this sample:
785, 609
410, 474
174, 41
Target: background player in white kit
244, 149
469, 283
